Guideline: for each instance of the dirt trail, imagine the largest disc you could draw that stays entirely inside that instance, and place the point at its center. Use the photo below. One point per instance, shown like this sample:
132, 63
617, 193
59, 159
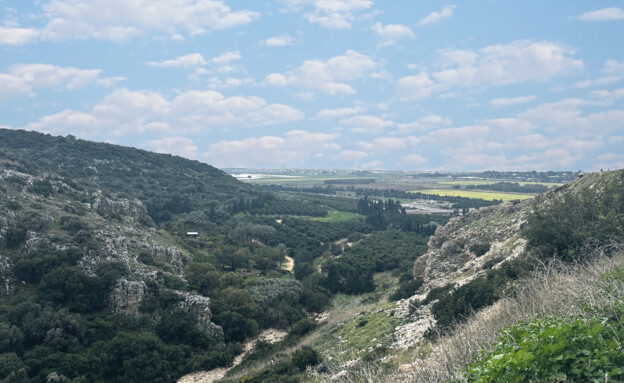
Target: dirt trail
290, 263
270, 336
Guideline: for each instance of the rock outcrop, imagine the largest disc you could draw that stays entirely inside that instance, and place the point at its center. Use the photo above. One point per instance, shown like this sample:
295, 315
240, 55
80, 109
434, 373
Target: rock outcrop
452, 255
126, 297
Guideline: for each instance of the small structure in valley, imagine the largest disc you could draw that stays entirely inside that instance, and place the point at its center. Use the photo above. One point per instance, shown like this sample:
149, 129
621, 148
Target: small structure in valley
192, 234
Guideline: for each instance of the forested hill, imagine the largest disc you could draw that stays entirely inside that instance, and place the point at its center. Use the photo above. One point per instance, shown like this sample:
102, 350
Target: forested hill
166, 184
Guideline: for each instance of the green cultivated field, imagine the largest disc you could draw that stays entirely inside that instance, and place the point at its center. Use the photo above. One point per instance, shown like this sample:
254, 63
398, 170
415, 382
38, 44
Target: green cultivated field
491, 182
336, 216
488, 196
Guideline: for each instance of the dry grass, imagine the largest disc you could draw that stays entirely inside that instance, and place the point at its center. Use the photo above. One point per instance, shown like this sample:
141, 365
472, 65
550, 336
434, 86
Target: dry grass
554, 289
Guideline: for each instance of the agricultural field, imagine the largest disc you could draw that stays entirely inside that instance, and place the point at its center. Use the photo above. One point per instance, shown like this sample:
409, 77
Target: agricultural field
492, 182
336, 216
488, 196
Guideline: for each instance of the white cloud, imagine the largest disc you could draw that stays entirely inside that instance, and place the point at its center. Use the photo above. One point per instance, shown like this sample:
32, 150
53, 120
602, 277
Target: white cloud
366, 124
125, 112
512, 101
12, 87
390, 34
354, 156
415, 87
119, 20
50, 76
227, 57
412, 161
180, 146
374, 165
495, 65
82, 125
459, 134
216, 83
330, 77
434, 17
388, 144
197, 110
339, 113
191, 60
335, 14
22, 80
290, 150
278, 41
609, 161
613, 72
424, 124
605, 14
17, 36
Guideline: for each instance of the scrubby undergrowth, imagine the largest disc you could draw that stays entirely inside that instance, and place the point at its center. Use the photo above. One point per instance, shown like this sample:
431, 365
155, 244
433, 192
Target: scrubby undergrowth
586, 300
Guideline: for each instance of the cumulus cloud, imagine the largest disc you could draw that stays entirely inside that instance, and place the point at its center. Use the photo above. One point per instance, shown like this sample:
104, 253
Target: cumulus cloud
412, 161
191, 60
334, 14
17, 36
125, 112
227, 57
416, 87
339, 113
331, 77
119, 20
388, 144
390, 34
291, 149
495, 65
512, 101
13, 87
80, 124
22, 80
366, 124
278, 41
351, 156
613, 72
424, 124
435, 17
180, 146
604, 14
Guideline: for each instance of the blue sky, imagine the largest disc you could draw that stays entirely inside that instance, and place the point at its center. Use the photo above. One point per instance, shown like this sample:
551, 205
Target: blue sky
434, 85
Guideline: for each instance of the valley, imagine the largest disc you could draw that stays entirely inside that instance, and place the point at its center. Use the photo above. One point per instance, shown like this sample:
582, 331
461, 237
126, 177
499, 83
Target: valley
365, 277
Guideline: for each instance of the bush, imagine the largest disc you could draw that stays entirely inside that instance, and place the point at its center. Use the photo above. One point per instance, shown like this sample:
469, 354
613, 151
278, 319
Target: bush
406, 289
480, 248
304, 357
301, 328
553, 349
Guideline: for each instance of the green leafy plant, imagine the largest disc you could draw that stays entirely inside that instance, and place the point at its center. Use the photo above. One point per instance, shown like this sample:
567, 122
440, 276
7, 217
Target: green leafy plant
553, 349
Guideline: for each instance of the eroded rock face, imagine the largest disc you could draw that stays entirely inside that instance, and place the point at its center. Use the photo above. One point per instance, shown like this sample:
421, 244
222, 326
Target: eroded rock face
450, 258
200, 306
130, 209
126, 297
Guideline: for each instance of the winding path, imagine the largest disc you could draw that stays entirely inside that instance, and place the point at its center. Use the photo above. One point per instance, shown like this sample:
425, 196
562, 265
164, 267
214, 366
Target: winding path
269, 335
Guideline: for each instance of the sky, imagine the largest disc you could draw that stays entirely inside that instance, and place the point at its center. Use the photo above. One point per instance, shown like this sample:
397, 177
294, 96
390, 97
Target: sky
354, 84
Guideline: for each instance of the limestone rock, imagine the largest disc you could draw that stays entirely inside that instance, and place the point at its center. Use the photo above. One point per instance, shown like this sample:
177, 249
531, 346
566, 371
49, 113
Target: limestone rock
450, 258
126, 297
200, 306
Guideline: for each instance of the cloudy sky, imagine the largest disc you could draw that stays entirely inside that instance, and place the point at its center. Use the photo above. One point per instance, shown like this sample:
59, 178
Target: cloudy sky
427, 85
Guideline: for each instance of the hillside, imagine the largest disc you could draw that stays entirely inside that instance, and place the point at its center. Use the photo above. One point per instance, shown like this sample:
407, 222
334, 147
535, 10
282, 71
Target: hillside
100, 281
557, 255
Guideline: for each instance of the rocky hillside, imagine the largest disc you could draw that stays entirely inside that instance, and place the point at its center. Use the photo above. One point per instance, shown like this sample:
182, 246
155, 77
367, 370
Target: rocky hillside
469, 245
473, 243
